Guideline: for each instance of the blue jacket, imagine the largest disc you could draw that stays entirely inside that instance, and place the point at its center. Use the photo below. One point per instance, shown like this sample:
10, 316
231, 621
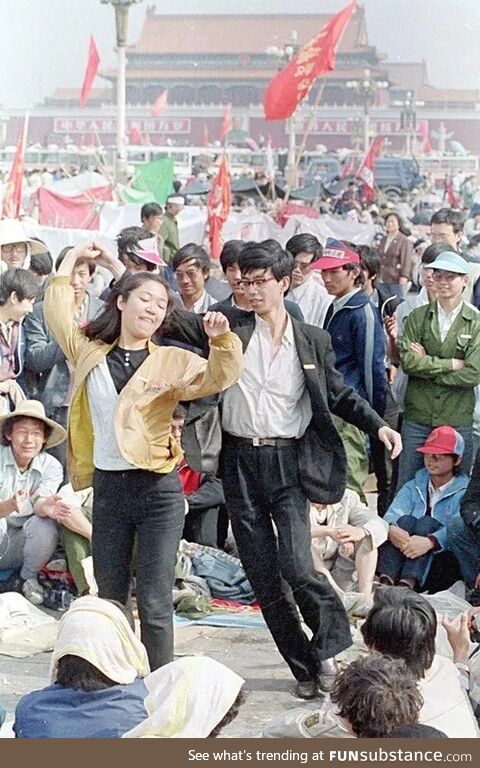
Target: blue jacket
358, 342
412, 500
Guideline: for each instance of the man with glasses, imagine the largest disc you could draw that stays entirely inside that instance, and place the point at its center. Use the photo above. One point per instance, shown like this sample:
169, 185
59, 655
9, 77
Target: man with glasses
280, 449
305, 290
440, 352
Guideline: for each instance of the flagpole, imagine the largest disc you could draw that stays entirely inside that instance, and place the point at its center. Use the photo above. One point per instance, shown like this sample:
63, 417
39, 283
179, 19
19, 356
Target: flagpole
301, 149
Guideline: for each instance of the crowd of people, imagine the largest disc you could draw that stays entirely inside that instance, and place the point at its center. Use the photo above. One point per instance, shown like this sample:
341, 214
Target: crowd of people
149, 396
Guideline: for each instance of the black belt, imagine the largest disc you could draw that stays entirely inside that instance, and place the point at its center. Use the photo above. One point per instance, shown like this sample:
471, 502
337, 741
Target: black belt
259, 442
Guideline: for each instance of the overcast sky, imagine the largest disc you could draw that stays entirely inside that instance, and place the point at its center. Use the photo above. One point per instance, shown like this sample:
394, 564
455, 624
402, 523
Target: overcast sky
43, 43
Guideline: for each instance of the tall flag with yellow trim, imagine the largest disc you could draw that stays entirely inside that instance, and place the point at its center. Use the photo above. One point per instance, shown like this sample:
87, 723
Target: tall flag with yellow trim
290, 86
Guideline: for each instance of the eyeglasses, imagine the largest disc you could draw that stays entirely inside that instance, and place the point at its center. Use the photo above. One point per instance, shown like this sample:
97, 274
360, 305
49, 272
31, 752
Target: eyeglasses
449, 277
14, 248
258, 283
191, 274
302, 266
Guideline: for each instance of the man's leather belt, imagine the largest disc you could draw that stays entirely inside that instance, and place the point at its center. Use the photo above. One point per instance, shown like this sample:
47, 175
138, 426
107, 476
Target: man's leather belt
259, 442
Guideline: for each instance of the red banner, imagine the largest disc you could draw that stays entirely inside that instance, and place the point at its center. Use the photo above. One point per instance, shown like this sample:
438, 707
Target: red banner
90, 72
366, 170
160, 104
287, 89
12, 197
81, 212
219, 206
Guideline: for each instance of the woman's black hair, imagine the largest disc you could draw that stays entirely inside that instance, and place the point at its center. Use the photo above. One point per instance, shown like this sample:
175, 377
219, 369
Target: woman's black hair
41, 263
22, 282
402, 624
401, 224
106, 326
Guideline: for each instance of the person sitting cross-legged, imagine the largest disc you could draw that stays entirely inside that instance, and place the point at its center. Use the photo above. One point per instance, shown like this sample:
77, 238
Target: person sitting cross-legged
29, 479
420, 513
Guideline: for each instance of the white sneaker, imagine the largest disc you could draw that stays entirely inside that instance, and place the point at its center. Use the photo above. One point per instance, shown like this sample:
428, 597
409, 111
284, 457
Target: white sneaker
33, 591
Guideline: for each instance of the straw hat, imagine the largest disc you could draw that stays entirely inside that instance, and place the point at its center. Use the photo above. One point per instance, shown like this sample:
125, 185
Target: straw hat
34, 409
13, 231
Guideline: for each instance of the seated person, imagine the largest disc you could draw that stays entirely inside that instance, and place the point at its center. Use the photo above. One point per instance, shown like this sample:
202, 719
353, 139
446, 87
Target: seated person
401, 625
463, 535
345, 530
102, 686
374, 694
420, 512
203, 492
29, 479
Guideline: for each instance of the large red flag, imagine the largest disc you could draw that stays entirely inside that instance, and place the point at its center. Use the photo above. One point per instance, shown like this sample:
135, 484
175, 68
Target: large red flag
90, 72
219, 206
366, 172
160, 104
289, 86
227, 122
12, 197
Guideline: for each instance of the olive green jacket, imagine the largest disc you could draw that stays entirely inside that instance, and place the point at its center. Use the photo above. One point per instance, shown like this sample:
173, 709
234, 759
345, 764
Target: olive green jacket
169, 233
436, 394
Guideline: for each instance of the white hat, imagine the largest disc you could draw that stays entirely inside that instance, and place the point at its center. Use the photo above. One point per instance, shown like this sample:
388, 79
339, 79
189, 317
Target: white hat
176, 200
13, 231
33, 409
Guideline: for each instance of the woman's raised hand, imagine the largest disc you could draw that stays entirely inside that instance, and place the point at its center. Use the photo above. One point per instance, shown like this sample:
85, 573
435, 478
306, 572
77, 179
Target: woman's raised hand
215, 323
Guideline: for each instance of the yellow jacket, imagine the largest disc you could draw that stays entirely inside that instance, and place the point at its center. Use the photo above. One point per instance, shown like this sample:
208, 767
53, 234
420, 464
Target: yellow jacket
146, 403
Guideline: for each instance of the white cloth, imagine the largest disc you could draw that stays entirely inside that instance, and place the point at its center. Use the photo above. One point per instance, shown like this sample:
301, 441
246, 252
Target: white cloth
102, 398
98, 632
270, 398
313, 300
202, 304
187, 699
446, 319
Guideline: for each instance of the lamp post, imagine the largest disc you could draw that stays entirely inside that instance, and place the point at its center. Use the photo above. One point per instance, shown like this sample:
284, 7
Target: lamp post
366, 89
284, 55
408, 119
121, 24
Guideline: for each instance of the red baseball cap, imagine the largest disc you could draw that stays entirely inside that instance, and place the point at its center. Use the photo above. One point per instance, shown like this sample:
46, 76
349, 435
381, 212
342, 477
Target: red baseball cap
335, 254
443, 440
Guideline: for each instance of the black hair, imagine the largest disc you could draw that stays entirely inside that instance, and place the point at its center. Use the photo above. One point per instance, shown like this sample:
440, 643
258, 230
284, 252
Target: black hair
106, 325
416, 731
374, 694
402, 624
434, 250
150, 209
79, 262
230, 253
229, 716
41, 263
305, 243
8, 424
450, 216
369, 260
401, 224
19, 281
80, 675
189, 252
127, 241
266, 255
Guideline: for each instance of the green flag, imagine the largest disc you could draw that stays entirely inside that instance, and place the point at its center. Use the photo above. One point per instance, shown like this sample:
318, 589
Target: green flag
155, 178
131, 195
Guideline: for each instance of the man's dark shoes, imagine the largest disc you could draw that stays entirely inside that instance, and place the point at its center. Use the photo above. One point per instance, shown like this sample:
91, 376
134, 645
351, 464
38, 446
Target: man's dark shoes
306, 689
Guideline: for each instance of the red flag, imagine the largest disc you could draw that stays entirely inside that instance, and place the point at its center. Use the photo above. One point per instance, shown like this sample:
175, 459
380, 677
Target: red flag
219, 205
160, 104
90, 72
134, 135
367, 167
289, 86
425, 134
12, 198
227, 122
451, 195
